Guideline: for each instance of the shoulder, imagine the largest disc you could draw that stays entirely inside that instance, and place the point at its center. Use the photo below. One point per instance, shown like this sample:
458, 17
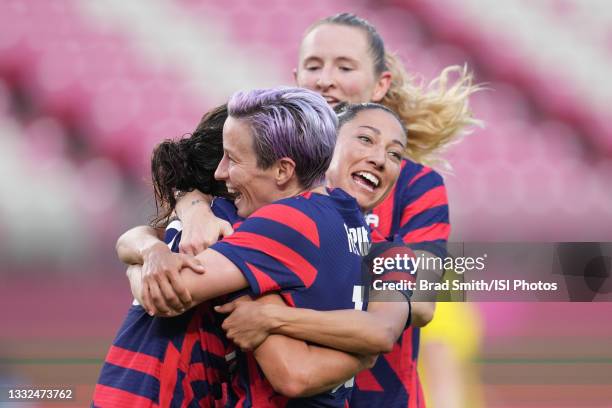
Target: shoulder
287, 220
414, 173
419, 188
313, 205
299, 207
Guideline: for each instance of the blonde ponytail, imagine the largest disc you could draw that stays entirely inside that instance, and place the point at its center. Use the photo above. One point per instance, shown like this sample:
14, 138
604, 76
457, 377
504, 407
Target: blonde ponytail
436, 115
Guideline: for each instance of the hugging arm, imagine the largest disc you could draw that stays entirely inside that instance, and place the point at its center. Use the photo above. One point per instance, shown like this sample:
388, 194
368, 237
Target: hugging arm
142, 249
293, 367
354, 331
134, 243
297, 369
143, 245
221, 277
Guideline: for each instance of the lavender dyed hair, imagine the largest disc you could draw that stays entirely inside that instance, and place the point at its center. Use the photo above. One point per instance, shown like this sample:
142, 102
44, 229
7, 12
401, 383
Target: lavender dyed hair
289, 122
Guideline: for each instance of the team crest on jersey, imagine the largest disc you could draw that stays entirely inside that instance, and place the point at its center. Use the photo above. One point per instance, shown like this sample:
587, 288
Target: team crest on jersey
372, 220
358, 240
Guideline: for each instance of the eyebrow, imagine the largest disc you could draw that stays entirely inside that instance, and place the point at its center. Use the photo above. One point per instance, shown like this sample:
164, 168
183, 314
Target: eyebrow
373, 129
396, 141
346, 59
337, 59
312, 58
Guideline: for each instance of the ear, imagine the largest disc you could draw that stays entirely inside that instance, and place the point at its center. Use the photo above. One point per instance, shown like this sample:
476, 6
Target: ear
295, 75
382, 86
285, 171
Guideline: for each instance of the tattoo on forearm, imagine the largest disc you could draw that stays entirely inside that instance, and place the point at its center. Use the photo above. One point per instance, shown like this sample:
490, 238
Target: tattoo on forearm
194, 202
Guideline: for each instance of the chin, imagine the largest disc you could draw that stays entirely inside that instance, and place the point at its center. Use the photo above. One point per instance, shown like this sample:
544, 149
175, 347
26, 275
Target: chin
364, 203
368, 204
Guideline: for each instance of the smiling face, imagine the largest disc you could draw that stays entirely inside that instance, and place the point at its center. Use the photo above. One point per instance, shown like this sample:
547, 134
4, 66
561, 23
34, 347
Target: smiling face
253, 186
368, 155
335, 62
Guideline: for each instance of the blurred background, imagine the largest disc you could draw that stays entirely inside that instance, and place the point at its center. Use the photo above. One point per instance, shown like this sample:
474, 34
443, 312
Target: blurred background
87, 88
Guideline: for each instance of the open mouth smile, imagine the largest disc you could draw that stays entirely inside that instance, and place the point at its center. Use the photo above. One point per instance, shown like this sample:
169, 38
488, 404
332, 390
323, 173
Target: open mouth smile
366, 180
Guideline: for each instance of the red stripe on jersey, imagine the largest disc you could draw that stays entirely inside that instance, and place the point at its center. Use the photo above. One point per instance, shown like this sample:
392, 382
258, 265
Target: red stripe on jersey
307, 194
440, 230
135, 361
416, 398
236, 225
105, 396
400, 361
197, 371
190, 340
200, 371
285, 255
420, 397
210, 341
167, 378
292, 218
377, 237
212, 344
424, 171
266, 284
433, 198
224, 395
366, 381
288, 299
187, 391
239, 391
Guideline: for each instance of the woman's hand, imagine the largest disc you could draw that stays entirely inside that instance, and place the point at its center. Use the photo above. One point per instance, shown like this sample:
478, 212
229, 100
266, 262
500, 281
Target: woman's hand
201, 228
249, 322
163, 292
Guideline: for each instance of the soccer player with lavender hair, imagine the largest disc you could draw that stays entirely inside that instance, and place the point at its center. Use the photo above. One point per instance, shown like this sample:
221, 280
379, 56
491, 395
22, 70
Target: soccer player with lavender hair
343, 58
277, 145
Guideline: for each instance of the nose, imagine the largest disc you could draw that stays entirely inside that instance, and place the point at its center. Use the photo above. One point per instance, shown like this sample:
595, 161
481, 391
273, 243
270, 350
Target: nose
325, 79
378, 157
221, 173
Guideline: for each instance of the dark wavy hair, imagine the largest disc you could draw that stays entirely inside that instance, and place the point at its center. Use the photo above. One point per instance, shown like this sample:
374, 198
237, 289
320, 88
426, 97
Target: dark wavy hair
188, 164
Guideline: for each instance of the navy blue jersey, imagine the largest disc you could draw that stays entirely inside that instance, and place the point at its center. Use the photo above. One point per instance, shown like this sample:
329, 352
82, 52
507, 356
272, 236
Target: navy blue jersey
308, 248
179, 361
416, 211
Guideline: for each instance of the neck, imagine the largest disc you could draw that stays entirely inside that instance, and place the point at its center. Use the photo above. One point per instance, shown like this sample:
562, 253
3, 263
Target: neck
296, 189
320, 189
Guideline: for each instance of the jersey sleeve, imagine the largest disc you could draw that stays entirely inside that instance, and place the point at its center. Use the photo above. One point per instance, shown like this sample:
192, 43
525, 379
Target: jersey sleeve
424, 221
277, 248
